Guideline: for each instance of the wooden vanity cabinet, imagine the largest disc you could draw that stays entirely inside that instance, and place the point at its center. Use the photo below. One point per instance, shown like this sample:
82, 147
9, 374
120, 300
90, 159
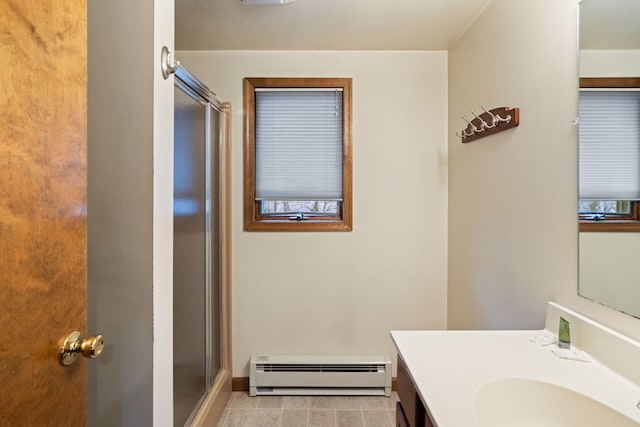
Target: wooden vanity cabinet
401, 419
410, 411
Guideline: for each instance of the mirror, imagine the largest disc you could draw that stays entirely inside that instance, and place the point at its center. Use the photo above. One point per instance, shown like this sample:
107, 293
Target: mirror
609, 238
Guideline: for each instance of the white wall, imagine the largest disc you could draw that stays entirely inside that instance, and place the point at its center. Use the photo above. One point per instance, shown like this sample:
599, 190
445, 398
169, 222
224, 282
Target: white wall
342, 292
512, 230
609, 63
512, 199
163, 90
608, 259
130, 220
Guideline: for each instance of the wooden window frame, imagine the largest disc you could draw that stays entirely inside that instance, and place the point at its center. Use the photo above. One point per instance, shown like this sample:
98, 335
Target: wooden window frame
615, 223
253, 220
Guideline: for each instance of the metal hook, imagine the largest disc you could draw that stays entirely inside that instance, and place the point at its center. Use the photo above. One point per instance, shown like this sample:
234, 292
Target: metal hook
483, 124
494, 119
473, 127
465, 134
167, 63
500, 119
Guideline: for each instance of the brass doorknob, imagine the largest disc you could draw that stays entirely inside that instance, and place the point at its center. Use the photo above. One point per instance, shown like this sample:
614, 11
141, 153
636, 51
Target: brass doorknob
72, 345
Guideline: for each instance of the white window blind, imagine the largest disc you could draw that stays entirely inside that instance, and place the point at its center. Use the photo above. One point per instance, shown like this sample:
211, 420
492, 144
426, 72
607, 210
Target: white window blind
609, 144
298, 144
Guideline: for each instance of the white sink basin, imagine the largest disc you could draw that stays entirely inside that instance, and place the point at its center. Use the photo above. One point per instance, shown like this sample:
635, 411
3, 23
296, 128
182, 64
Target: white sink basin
523, 402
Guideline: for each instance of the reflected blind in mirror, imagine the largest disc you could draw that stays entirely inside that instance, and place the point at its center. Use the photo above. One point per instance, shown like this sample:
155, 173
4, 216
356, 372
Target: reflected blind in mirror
609, 144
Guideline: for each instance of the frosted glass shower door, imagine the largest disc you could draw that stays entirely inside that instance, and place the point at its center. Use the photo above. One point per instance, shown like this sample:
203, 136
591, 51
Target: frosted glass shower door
196, 256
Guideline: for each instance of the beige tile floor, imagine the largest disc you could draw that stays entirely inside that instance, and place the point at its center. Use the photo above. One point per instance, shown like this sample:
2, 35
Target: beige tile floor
309, 411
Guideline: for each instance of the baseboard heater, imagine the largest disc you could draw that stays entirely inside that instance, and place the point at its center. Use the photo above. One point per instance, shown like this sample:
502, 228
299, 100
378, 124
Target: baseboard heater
320, 375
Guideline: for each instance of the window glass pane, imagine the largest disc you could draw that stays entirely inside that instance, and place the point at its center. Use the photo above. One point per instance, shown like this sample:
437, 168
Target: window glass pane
611, 207
298, 154
189, 256
316, 207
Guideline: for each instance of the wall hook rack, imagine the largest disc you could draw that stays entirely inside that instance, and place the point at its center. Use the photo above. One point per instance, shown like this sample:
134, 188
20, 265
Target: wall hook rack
489, 122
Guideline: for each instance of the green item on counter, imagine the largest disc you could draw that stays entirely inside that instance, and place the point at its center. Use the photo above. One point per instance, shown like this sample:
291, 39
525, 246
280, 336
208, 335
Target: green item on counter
564, 335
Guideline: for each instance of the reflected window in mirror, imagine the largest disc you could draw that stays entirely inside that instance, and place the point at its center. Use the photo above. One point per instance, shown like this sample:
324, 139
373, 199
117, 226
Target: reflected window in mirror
609, 150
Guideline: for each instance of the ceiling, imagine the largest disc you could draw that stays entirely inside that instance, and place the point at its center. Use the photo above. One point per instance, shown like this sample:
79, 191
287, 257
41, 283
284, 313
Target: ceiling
371, 24
610, 24
323, 24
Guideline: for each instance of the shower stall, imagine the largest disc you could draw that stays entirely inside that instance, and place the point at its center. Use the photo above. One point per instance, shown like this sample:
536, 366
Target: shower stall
200, 249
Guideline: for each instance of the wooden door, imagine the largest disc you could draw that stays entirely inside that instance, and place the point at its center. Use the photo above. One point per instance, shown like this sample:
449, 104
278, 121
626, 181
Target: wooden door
43, 123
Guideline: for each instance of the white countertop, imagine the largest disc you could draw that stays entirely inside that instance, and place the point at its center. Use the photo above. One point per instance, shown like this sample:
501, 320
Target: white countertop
447, 367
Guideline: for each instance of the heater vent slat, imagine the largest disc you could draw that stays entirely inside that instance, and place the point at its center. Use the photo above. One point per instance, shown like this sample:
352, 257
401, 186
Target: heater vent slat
270, 367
